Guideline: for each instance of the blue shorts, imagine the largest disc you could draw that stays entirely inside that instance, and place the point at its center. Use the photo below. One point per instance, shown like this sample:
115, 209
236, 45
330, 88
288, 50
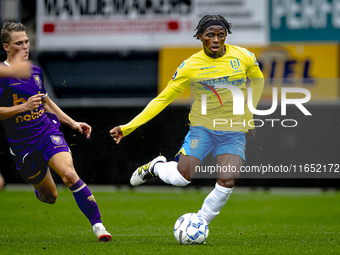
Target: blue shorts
200, 141
33, 166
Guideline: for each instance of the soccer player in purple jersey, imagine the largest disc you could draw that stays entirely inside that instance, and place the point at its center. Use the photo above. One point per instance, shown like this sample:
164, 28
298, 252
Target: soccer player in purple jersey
31, 122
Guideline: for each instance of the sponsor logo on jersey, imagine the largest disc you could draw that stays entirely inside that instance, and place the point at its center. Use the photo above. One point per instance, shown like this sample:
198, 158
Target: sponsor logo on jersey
235, 64
223, 80
37, 80
17, 101
35, 114
56, 139
207, 67
209, 86
238, 71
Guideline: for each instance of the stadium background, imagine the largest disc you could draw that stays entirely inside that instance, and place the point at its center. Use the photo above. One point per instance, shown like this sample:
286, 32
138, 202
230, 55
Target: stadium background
103, 61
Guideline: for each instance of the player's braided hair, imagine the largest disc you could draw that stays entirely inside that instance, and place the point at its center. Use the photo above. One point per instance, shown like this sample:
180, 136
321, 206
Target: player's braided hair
10, 27
199, 29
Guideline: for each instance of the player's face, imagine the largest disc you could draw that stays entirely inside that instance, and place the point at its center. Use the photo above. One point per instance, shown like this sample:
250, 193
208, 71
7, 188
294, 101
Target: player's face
19, 44
213, 39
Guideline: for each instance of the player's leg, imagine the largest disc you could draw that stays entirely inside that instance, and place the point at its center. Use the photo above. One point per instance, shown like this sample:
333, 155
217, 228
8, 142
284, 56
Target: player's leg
194, 149
46, 191
146, 172
197, 144
170, 172
62, 164
34, 169
219, 196
227, 179
177, 174
229, 152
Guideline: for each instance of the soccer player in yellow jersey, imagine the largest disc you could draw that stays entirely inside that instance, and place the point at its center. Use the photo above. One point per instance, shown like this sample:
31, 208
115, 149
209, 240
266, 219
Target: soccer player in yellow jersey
207, 71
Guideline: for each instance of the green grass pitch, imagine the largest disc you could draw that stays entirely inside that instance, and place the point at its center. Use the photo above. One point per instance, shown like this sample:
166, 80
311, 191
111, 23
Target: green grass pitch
142, 223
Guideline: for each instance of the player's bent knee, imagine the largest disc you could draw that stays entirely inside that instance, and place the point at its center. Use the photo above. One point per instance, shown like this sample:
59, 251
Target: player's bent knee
50, 198
227, 183
51, 201
70, 177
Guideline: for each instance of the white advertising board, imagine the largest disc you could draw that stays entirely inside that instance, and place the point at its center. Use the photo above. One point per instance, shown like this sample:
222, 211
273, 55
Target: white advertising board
142, 24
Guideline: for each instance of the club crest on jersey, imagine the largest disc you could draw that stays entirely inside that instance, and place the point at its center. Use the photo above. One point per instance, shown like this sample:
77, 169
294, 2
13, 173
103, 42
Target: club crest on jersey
235, 64
56, 139
37, 80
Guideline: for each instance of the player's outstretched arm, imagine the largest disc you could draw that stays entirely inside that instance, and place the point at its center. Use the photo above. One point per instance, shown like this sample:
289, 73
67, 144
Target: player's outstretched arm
51, 107
117, 134
31, 104
19, 68
257, 84
150, 111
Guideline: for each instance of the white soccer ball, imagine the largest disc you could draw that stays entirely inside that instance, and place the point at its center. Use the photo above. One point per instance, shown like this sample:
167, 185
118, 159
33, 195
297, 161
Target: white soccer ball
191, 228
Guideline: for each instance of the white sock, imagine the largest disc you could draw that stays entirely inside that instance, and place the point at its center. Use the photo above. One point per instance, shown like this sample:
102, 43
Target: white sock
98, 226
169, 174
214, 202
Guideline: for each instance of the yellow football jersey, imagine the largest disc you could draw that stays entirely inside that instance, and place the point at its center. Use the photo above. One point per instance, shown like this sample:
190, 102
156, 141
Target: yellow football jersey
206, 75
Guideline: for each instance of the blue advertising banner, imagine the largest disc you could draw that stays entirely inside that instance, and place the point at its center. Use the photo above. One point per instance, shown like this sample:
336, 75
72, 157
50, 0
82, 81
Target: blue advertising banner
305, 20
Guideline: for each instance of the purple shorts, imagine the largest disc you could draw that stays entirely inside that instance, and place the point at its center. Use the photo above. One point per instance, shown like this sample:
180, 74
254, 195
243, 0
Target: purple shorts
33, 166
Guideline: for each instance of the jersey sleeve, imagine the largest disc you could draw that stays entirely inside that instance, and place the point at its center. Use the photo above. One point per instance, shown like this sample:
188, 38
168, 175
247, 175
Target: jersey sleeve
180, 81
43, 89
151, 110
255, 75
252, 64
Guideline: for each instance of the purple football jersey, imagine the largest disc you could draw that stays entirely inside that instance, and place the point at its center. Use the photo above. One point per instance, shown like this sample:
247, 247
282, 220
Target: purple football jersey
23, 131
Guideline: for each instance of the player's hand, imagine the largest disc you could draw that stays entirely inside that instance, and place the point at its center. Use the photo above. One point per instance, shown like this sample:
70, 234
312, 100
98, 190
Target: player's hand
117, 134
20, 67
251, 133
83, 128
33, 102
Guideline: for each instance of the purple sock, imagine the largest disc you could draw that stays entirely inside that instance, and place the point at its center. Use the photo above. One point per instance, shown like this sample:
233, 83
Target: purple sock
86, 201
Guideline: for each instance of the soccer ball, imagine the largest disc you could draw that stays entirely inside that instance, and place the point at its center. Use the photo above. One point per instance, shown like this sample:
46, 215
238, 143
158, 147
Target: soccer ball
191, 228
